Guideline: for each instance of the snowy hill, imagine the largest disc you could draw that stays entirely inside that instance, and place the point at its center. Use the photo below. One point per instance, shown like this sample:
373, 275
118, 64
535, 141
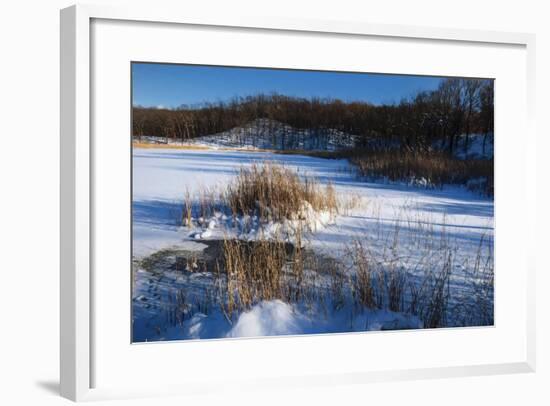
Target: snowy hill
274, 135
270, 134
266, 134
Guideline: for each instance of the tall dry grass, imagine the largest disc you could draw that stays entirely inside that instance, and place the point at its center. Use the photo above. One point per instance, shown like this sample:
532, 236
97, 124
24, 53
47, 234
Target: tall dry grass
481, 279
435, 167
434, 311
249, 272
363, 283
252, 271
383, 279
187, 212
269, 191
274, 192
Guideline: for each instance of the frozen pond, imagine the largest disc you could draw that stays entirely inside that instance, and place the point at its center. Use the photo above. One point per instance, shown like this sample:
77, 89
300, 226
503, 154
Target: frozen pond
402, 225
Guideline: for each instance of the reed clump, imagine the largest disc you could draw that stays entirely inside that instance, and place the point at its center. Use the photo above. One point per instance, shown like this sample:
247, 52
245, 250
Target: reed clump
432, 167
274, 192
264, 269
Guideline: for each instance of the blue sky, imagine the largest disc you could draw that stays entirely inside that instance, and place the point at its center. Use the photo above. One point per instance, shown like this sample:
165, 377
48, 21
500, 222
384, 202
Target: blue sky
170, 85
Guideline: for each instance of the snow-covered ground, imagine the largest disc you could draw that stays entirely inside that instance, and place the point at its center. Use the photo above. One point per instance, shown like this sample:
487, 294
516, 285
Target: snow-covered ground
474, 146
412, 228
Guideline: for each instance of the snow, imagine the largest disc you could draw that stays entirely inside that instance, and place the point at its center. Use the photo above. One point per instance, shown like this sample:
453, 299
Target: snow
276, 318
163, 177
270, 318
271, 134
474, 146
267, 319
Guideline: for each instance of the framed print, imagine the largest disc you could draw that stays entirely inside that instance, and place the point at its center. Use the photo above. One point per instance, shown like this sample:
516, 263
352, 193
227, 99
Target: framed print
269, 214
246, 208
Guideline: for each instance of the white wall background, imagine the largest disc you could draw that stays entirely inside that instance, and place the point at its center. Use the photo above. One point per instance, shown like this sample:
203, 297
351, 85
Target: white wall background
29, 203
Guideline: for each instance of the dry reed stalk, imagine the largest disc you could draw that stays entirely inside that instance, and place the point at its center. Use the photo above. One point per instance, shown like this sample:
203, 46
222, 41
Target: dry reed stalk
187, 213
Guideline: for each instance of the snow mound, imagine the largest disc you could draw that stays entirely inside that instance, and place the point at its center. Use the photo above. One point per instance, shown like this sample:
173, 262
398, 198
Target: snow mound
312, 219
268, 319
276, 318
250, 228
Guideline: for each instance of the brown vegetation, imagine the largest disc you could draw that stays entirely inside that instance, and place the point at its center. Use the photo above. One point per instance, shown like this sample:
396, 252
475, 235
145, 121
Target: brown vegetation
256, 271
368, 277
274, 192
149, 145
250, 272
435, 167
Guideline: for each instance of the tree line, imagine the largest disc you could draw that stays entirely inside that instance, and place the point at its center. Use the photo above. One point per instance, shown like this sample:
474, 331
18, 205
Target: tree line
457, 107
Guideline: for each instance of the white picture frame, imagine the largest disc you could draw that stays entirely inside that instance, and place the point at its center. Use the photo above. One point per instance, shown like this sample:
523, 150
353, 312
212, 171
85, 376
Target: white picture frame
77, 323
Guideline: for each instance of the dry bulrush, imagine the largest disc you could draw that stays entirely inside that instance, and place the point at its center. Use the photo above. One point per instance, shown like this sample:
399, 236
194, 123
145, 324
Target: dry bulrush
274, 192
436, 168
363, 282
253, 271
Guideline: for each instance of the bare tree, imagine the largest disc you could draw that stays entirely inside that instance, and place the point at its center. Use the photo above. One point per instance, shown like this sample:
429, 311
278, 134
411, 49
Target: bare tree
471, 89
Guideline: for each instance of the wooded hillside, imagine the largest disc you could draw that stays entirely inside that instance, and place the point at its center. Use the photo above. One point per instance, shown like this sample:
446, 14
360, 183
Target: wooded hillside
458, 106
